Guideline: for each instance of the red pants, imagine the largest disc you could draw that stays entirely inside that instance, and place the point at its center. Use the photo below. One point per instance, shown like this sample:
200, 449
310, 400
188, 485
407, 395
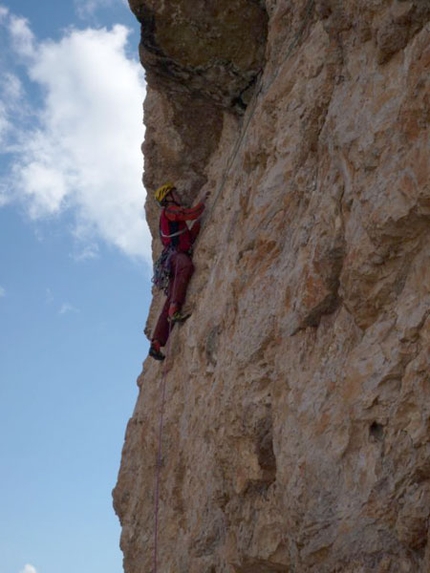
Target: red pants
182, 269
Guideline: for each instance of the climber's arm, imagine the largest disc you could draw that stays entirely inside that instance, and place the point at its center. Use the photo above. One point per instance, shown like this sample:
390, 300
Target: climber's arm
178, 213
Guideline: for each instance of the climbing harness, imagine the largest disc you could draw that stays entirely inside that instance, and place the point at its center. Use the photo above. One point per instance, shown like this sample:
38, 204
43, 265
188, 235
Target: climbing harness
173, 234
162, 266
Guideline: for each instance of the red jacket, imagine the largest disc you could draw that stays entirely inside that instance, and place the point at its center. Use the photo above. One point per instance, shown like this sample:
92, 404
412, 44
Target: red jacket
174, 230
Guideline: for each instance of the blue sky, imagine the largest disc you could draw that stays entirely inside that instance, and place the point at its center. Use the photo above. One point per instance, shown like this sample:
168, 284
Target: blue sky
74, 277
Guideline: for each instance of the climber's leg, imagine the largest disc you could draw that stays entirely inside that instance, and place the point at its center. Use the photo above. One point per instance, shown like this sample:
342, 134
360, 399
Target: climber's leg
182, 271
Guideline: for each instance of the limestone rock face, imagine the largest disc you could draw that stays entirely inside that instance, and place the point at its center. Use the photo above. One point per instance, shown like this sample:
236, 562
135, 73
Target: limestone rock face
296, 426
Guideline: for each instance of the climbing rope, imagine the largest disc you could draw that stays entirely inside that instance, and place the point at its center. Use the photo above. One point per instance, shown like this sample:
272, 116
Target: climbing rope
158, 464
232, 159
159, 458
253, 105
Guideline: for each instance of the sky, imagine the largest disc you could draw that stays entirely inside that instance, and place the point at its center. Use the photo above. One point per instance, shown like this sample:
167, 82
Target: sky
75, 267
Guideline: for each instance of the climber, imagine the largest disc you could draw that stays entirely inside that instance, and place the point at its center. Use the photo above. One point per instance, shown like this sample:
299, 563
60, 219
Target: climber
178, 238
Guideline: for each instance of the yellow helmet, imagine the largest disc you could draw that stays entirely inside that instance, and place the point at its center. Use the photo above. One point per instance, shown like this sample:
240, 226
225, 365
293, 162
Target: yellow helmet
161, 193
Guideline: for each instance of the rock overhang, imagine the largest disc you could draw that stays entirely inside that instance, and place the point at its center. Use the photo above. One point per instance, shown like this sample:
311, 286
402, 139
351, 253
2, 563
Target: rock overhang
212, 49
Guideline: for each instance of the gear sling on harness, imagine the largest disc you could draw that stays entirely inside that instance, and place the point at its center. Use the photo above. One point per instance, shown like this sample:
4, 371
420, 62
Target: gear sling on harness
174, 235
162, 267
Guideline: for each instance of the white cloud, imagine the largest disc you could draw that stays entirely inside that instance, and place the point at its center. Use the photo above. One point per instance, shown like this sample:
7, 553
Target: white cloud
87, 8
79, 149
2, 292
28, 569
87, 252
67, 308
22, 37
12, 107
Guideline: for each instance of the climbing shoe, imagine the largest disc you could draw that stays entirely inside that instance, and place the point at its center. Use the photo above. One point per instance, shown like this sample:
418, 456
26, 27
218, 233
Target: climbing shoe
155, 352
178, 317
